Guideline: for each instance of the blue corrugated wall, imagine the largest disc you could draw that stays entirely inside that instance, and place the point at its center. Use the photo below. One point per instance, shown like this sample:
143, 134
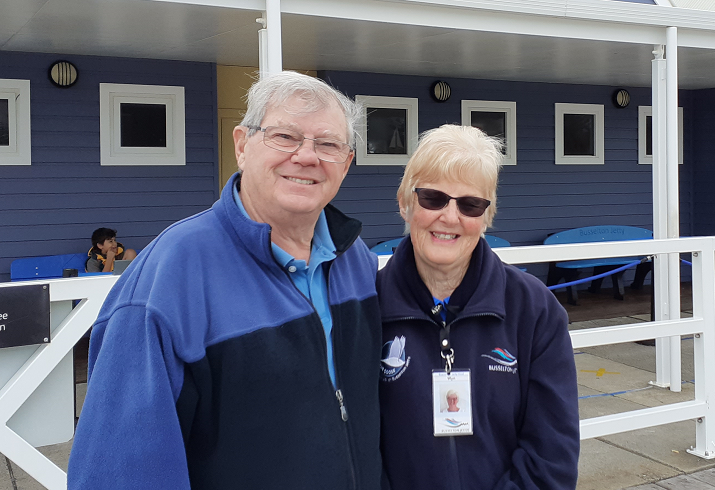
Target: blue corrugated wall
535, 197
52, 206
703, 122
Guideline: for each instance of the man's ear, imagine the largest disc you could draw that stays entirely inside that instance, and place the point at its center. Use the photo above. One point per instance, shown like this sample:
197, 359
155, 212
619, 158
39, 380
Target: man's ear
348, 162
240, 138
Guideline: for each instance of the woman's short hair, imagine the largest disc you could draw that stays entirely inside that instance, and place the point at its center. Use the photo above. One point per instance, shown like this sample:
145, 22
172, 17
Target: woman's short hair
274, 90
460, 154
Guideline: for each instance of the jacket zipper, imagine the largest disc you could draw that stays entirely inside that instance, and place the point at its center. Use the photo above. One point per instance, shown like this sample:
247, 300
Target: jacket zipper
338, 392
454, 467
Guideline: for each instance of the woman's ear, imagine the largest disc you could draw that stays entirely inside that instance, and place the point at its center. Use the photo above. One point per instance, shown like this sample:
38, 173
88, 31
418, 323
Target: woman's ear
403, 209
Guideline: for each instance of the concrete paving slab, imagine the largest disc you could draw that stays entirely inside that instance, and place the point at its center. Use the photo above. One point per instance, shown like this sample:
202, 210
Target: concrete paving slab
666, 444
80, 393
603, 322
707, 476
593, 405
661, 396
603, 374
603, 466
649, 486
684, 482
631, 354
57, 453
643, 356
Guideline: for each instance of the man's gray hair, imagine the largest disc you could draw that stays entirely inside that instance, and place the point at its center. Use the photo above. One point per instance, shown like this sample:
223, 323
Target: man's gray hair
274, 90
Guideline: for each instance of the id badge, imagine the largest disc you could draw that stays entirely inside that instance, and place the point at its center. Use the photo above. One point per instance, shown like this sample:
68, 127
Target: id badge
452, 402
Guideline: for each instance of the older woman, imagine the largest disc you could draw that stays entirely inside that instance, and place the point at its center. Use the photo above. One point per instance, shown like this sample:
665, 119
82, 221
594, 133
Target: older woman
455, 318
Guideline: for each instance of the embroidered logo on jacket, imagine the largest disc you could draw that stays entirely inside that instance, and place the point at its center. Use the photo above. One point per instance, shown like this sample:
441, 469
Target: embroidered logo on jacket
505, 362
394, 360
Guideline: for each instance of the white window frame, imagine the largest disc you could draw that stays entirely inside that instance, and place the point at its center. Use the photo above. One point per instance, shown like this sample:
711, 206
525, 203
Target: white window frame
407, 103
111, 95
508, 108
643, 112
17, 93
593, 109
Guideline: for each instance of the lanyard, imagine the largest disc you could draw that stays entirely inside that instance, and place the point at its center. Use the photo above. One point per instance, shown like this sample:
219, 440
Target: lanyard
446, 350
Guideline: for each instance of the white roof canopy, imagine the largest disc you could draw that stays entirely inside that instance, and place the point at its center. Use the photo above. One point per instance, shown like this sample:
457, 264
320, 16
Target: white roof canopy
576, 41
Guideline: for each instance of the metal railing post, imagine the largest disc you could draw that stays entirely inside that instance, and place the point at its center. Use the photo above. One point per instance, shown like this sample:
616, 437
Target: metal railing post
704, 350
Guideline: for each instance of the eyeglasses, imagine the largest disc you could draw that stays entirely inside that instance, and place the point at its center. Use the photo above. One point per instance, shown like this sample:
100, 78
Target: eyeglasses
433, 200
289, 140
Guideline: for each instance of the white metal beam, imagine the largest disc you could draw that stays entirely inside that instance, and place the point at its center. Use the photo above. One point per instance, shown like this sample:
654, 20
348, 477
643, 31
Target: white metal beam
28, 378
660, 213
640, 419
671, 165
274, 56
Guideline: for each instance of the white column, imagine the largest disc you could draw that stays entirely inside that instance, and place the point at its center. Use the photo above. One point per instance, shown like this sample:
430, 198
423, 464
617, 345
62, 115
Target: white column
671, 111
262, 47
660, 213
273, 38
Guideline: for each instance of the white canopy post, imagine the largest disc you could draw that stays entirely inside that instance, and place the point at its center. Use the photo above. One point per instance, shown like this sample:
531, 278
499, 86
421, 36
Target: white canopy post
671, 111
273, 37
262, 47
660, 212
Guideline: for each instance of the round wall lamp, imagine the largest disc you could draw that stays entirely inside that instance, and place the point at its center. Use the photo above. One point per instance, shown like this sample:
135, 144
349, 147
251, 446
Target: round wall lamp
621, 98
440, 91
63, 74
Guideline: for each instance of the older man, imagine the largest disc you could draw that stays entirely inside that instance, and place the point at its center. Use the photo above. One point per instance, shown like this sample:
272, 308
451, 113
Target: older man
255, 365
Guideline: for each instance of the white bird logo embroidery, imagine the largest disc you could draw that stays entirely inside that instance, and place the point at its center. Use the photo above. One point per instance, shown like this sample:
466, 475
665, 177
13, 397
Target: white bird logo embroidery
395, 358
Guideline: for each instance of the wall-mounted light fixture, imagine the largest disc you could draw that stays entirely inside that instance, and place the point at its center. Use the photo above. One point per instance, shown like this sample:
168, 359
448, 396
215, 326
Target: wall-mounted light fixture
63, 74
621, 98
440, 91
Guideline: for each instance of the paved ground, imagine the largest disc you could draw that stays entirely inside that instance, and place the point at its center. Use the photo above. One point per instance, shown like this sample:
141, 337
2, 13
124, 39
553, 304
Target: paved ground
611, 379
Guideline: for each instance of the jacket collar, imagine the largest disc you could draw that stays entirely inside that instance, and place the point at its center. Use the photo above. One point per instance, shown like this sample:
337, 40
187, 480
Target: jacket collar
403, 294
256, 237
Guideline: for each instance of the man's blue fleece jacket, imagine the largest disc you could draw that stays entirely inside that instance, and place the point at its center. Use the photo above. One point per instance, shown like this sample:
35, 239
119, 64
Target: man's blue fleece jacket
208, 367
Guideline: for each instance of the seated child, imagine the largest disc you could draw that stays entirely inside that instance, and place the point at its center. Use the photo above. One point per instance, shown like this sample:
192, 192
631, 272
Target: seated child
105, 250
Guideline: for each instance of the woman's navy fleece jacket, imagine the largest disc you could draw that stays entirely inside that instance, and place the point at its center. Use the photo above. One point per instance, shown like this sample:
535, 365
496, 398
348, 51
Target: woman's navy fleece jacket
525, 414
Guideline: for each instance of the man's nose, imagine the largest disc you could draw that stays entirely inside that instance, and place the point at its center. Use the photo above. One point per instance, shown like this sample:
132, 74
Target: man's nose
305, 155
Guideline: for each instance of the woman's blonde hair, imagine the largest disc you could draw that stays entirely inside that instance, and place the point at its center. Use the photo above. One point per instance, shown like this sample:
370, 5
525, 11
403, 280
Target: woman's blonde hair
460, 154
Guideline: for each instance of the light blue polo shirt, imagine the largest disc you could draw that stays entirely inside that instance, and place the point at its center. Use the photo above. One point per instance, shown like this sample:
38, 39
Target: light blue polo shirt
313, 286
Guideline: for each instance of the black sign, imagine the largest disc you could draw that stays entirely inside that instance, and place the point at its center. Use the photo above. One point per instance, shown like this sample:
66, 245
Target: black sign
24, 315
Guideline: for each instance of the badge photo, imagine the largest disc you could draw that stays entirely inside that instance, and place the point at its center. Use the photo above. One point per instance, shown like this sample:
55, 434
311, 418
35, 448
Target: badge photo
452, 403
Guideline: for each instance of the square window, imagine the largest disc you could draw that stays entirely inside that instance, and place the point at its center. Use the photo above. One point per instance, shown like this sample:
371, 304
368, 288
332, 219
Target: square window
14, 122
579, 134
4, 122
645, 135
142, 125
388, 130
495, 118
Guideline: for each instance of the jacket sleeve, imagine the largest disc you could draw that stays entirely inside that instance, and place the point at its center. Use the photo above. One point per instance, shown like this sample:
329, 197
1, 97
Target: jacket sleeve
128, 435
548, 441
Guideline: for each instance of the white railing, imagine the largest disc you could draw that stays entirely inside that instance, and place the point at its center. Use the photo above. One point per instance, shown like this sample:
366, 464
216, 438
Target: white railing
93, 290
701, 325
40, 365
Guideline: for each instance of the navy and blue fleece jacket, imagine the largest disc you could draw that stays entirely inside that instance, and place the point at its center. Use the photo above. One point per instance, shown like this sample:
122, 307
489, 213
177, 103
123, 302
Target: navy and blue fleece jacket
211, 372
525, 413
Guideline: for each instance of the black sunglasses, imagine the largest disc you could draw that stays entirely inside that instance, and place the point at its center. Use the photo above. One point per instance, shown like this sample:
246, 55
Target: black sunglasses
433, 200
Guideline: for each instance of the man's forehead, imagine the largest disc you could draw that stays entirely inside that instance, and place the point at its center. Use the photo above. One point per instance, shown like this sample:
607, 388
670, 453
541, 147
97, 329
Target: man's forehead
288, 113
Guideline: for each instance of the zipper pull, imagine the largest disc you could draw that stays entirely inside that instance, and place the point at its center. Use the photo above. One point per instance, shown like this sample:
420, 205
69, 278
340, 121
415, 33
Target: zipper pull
343, 410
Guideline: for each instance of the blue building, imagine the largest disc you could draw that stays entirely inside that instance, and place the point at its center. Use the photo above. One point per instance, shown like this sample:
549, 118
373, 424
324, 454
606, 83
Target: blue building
65, 171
